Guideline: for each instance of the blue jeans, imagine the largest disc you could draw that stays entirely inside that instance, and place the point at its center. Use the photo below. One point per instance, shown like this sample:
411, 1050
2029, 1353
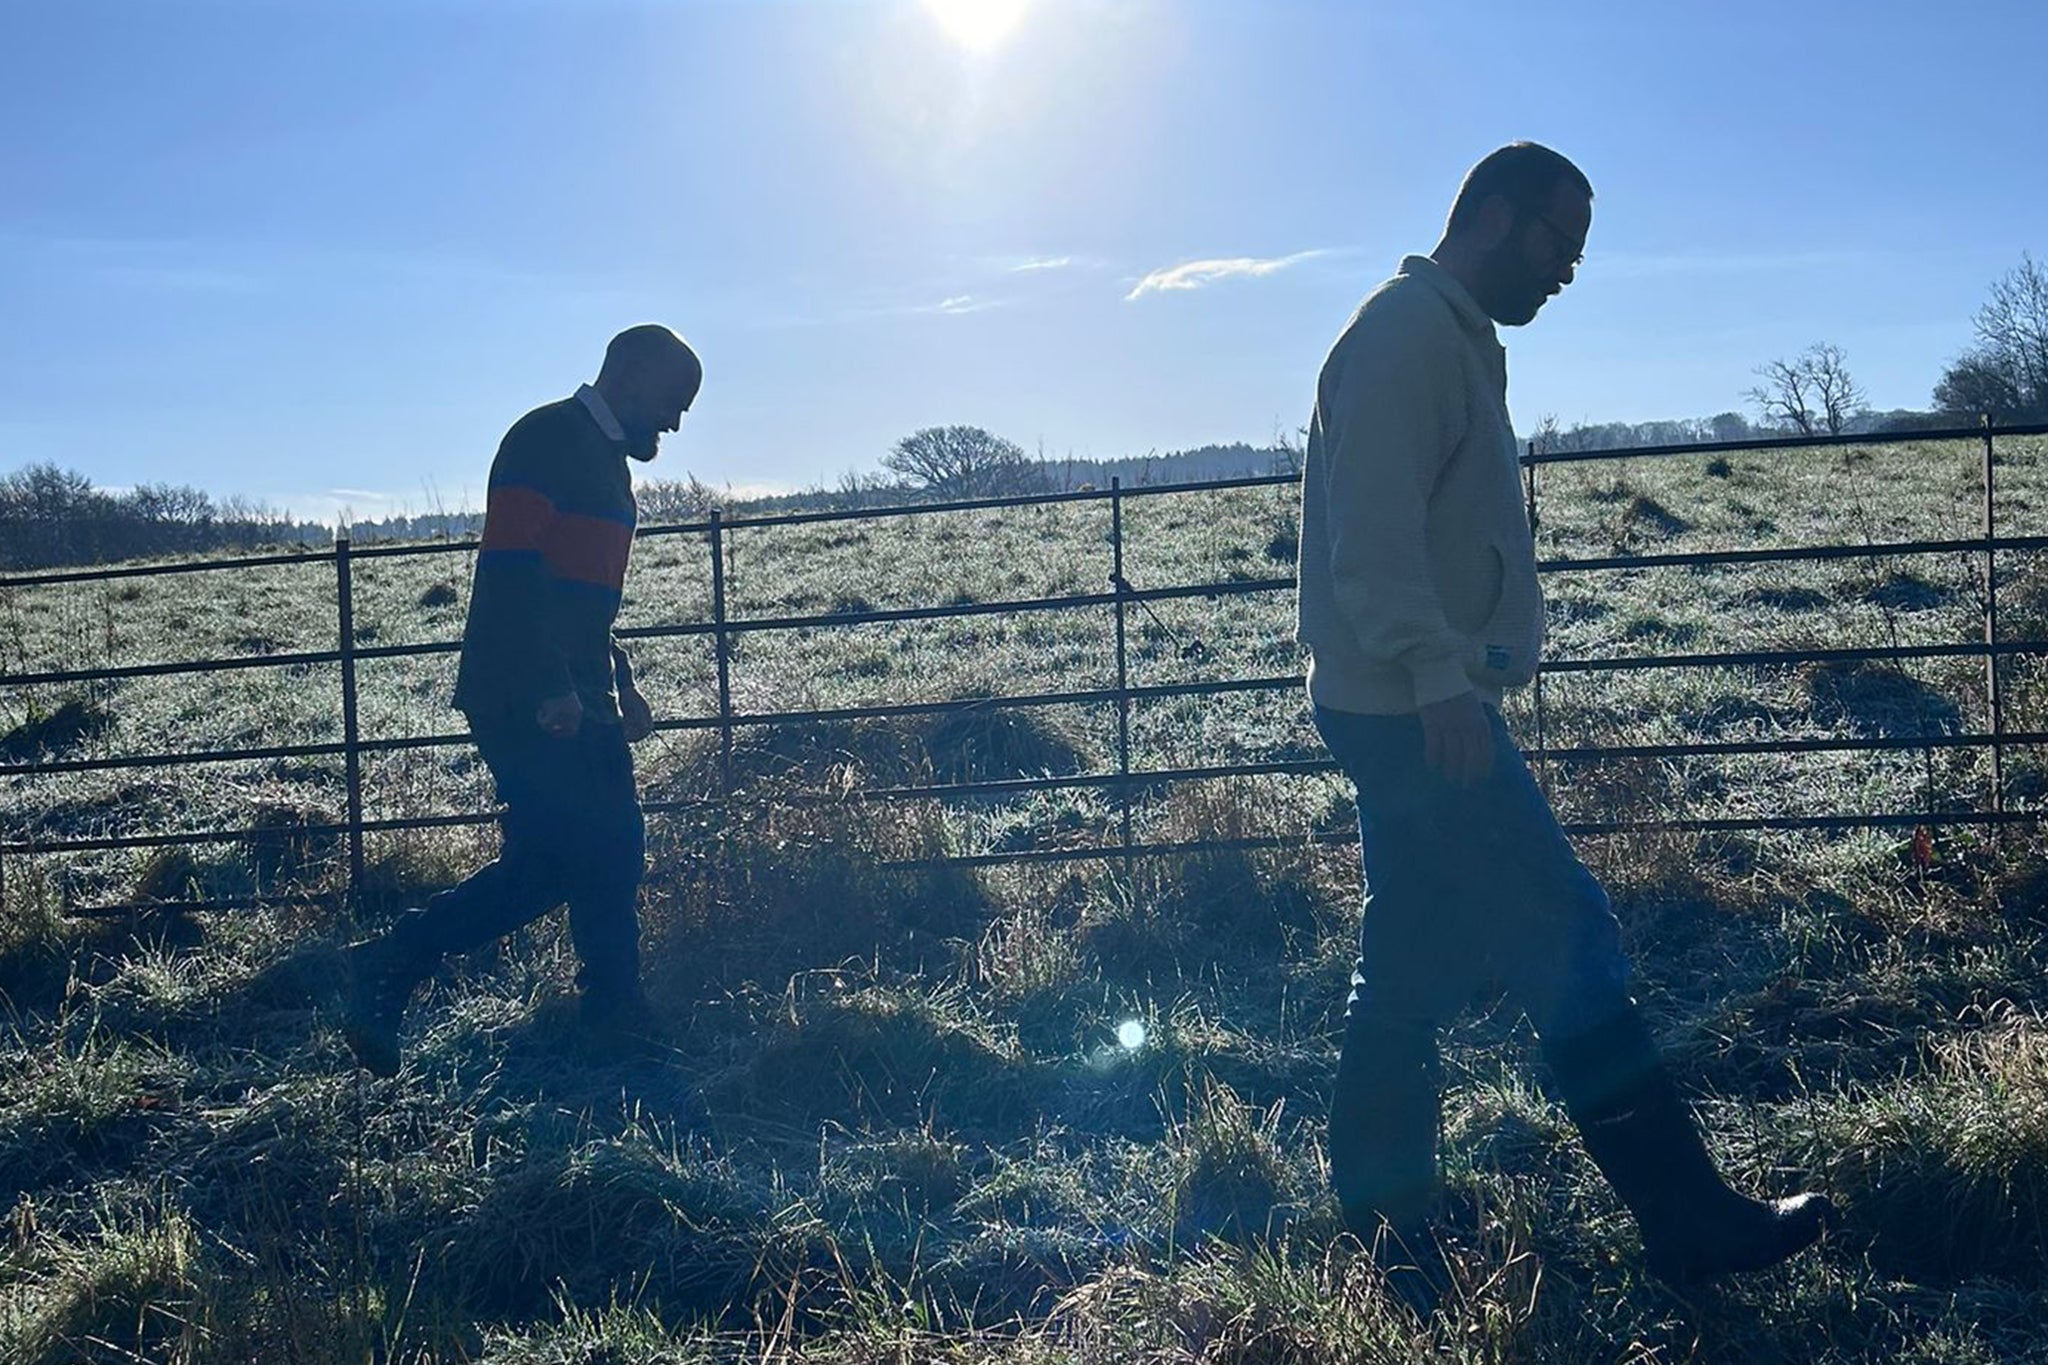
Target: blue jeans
1464, 886
574, 832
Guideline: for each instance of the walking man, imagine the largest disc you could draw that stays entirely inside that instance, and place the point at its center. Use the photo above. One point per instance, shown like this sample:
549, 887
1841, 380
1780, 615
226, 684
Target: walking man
549, 697
1420, 606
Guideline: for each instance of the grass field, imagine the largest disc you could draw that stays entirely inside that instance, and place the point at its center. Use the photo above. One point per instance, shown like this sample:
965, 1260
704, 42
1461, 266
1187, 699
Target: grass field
889, 1117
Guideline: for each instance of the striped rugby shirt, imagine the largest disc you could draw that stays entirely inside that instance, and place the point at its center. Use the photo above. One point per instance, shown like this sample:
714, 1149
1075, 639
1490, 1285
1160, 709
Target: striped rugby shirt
558, 530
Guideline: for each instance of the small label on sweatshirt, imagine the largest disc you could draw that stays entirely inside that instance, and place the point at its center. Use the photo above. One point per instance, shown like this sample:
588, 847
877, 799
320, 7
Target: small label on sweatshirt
1498, 658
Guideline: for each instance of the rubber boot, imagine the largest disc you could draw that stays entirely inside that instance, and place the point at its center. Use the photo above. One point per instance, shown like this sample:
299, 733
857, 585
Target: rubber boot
383, 973
1384, 1124
1645, 1140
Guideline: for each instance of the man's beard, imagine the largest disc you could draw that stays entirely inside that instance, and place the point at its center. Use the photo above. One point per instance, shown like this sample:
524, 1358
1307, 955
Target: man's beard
1507, 290
643, 446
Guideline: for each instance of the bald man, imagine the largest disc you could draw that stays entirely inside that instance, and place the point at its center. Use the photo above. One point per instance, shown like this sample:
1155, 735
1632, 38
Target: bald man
549, 697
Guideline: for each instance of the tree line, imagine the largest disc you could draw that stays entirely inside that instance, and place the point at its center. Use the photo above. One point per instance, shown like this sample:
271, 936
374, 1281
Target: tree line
51, 516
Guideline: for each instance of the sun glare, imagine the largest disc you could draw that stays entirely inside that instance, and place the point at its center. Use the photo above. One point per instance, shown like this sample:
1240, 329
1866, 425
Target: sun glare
977, 25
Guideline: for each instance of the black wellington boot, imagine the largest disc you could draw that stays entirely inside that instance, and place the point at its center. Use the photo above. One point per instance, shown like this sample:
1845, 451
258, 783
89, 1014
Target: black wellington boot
383, 973
1645, 1140
1384, 1122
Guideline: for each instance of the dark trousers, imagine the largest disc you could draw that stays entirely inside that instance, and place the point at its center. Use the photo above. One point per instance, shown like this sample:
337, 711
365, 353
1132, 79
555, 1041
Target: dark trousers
1464, 886
573, 832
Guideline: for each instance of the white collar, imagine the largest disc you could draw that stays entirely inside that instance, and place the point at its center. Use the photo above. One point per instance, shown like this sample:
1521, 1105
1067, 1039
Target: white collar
1460, 298
601, 413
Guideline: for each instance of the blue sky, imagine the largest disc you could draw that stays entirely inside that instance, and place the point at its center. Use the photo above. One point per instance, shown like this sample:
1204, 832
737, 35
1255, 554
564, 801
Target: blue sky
323, 253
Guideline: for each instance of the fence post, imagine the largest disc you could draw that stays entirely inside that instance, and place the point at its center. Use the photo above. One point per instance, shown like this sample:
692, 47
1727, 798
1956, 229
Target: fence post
352, 756
1542, 741
1123, 668
723, 647
1991, 629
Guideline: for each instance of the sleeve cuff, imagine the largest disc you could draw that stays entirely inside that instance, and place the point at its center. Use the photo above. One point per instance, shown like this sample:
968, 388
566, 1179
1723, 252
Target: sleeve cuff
1440, 680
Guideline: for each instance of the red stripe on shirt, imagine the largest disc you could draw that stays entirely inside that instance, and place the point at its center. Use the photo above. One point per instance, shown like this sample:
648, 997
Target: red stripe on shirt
518, 518
590, 550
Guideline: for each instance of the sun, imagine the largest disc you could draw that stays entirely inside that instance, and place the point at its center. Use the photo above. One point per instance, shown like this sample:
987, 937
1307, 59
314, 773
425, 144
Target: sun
977, 25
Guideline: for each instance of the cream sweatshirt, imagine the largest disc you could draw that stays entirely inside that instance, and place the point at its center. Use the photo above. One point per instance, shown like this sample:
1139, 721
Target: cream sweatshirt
1417, 569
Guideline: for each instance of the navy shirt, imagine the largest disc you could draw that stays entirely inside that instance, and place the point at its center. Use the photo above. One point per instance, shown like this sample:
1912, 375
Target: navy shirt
558, 531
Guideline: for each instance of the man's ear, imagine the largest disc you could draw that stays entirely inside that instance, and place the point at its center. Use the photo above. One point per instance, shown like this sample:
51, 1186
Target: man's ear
1495, 222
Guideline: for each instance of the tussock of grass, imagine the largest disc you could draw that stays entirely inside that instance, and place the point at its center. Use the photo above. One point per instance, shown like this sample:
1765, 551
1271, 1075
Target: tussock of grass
281, 1153
170, 874
1907, 591
879, 1058
1133, 938
1645, 515
953, 746
967, 746
280, 850
36, 944
1943, 1172
136, 1289
53, 734
2023, 600
1028, 953
801, 892
1234, 904
1877, 699
1284, 1306
1036, 975
573, 1221
918, 1172
826, 754
1788, 598
84, 1101
1229, 1174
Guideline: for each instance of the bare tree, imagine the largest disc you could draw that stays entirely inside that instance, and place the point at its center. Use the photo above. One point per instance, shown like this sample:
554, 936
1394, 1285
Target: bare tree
668, 501
964, 462
1785, 399
2012, 331
861, 489
1290, 450
1837, 394
1809, 393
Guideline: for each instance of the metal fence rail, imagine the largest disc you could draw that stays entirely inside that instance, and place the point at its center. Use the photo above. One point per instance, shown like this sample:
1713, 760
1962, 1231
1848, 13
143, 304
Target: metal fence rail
1121, 596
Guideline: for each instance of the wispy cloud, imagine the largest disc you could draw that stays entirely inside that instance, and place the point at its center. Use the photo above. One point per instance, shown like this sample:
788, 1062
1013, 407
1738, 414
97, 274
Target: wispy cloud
953, 305
1202, 274
957, 305
1041, 263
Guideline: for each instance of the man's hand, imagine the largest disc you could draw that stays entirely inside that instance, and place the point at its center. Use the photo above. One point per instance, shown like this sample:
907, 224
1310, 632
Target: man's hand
1457, 738
561, 717
636, 717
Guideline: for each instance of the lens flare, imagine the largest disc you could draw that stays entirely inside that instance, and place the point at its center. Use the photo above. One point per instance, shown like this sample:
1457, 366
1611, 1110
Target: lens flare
977, 25
1130, 1034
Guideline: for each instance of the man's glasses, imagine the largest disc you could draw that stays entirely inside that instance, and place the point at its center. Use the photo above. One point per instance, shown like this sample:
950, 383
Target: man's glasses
1575, 245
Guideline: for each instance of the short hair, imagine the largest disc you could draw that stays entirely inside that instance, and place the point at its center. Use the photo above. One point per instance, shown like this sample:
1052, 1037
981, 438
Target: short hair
1522, 173
651, 346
